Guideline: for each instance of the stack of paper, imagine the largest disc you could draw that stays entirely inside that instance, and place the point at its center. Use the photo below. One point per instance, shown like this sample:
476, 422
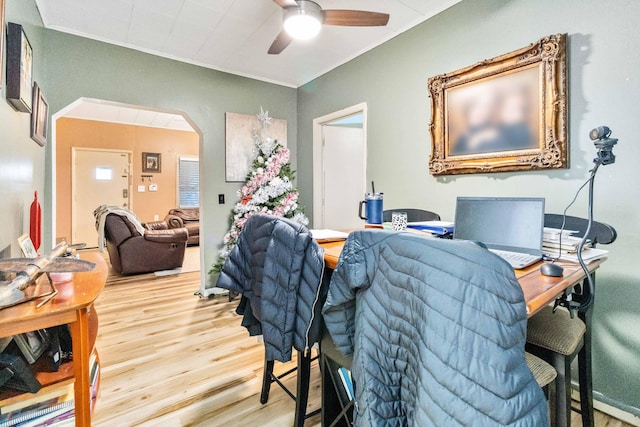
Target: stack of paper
562, 244
325, 235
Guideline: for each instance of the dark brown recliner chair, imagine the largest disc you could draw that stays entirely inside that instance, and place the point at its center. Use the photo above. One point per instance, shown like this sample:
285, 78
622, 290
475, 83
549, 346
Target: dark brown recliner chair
188, 218
132, 253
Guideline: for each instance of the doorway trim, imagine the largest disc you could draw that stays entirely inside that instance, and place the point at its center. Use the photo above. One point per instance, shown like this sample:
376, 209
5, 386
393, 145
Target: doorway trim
52, 183
318, 163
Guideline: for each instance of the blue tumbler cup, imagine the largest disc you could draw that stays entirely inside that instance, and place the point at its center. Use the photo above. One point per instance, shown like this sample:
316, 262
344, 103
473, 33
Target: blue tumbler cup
373, 209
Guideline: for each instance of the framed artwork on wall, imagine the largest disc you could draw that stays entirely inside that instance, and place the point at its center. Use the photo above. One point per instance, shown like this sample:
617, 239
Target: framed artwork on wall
503, 114
39, 116
152, 162
19, 68
1, 40
240, 144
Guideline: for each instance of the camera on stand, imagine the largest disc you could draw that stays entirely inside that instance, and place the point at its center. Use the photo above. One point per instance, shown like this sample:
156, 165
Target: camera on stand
604, 145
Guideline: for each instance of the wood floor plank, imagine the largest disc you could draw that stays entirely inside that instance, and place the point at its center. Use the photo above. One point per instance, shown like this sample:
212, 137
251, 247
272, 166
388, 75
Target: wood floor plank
171, 359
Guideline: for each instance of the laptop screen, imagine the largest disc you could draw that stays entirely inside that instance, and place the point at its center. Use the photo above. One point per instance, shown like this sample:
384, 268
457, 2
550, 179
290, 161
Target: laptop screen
505, 223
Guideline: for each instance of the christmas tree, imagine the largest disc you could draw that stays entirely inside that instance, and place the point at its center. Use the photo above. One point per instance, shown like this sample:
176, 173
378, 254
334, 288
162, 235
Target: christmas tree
268, 188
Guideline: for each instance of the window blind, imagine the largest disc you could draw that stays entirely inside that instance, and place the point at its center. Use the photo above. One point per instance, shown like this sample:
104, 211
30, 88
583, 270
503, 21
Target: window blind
188, 182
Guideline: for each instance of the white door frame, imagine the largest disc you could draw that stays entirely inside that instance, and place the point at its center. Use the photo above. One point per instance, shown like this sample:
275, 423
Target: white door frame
318, 164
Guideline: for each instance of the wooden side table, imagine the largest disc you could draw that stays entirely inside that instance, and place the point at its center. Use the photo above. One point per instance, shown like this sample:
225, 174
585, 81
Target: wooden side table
73, 305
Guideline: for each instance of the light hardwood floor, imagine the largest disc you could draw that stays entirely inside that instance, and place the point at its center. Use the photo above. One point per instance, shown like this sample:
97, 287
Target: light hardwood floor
169, 358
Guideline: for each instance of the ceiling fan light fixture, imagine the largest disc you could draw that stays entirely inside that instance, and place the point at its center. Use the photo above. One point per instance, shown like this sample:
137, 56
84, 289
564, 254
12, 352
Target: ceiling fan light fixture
303, 22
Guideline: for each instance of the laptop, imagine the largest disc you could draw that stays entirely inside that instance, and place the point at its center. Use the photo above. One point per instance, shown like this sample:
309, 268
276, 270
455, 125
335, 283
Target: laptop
511, 227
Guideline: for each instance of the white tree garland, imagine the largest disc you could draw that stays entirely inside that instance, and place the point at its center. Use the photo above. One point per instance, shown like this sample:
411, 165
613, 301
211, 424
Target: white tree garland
268, 188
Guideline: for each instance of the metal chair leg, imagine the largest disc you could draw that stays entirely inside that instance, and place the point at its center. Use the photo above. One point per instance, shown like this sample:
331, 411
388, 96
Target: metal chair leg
585, 373
267, 375
562, 365
302, 395
553, 410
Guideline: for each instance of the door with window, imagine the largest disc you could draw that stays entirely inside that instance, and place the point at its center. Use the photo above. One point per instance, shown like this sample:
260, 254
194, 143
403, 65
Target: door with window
99, 177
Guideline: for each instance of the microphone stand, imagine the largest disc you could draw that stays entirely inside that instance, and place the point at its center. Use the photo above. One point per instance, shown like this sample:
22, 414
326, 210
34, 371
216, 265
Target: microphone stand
604, 156
590, 288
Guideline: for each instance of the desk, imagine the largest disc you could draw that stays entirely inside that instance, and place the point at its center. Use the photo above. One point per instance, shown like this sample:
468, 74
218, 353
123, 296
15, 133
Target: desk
539, 290
72, 305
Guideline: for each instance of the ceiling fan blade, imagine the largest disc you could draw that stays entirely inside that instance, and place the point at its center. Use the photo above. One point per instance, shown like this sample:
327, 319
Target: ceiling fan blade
280, 43
355, 18
286, 3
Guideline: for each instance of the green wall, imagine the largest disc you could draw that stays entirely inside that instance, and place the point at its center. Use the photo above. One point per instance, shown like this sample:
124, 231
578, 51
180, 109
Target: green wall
22, 161
72, 67
604, 74
85, 68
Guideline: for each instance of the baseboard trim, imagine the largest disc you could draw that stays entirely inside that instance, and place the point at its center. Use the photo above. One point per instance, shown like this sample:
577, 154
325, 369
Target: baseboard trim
608, 409
208, 292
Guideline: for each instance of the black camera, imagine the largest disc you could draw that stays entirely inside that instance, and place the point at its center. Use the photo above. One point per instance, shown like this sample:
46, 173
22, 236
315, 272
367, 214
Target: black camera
604, 145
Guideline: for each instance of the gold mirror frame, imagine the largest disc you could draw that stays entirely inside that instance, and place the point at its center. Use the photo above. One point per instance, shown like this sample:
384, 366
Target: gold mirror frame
548, 151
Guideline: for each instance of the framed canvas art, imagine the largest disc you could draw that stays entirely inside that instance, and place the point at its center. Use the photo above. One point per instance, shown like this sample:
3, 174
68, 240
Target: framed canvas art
240, 146
19, 68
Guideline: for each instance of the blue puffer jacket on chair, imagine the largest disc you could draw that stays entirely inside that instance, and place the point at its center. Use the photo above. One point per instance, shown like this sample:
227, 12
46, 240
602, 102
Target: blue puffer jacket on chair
437, 331
278, 268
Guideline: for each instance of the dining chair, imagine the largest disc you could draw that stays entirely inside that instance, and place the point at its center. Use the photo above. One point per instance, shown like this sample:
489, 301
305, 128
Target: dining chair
558, 338
278, 268
456, 357
337, 408
413, 215
301, 396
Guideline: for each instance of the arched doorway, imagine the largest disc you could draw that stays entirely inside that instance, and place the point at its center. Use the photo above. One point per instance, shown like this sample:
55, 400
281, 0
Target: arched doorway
100, 127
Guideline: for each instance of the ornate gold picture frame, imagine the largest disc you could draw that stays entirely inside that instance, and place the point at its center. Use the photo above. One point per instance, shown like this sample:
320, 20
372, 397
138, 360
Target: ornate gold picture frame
503, 114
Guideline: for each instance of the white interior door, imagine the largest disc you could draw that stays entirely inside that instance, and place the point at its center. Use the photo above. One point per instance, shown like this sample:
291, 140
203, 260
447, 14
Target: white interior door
344, 176
100, 177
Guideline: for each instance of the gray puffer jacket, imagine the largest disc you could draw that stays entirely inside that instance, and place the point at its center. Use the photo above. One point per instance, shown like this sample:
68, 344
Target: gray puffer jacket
278, 268
437, 331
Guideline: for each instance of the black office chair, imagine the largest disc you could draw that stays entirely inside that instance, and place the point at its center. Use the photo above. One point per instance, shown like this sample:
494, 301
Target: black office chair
558, 338
413, 215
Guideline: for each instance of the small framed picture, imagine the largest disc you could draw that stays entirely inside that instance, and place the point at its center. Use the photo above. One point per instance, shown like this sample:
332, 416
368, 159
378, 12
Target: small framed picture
19, 68
151, 162
39, 116
32, 344
26, 246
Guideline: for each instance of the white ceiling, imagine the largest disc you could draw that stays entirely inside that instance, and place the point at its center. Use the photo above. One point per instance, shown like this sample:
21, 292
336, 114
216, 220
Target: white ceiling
233, 35
105, 111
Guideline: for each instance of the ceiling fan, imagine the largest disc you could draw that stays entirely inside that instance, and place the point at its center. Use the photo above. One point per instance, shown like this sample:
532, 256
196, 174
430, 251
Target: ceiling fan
302, 20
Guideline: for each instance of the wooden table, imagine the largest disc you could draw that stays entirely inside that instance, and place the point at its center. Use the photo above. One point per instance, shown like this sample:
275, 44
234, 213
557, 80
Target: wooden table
72, 305
539, 290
